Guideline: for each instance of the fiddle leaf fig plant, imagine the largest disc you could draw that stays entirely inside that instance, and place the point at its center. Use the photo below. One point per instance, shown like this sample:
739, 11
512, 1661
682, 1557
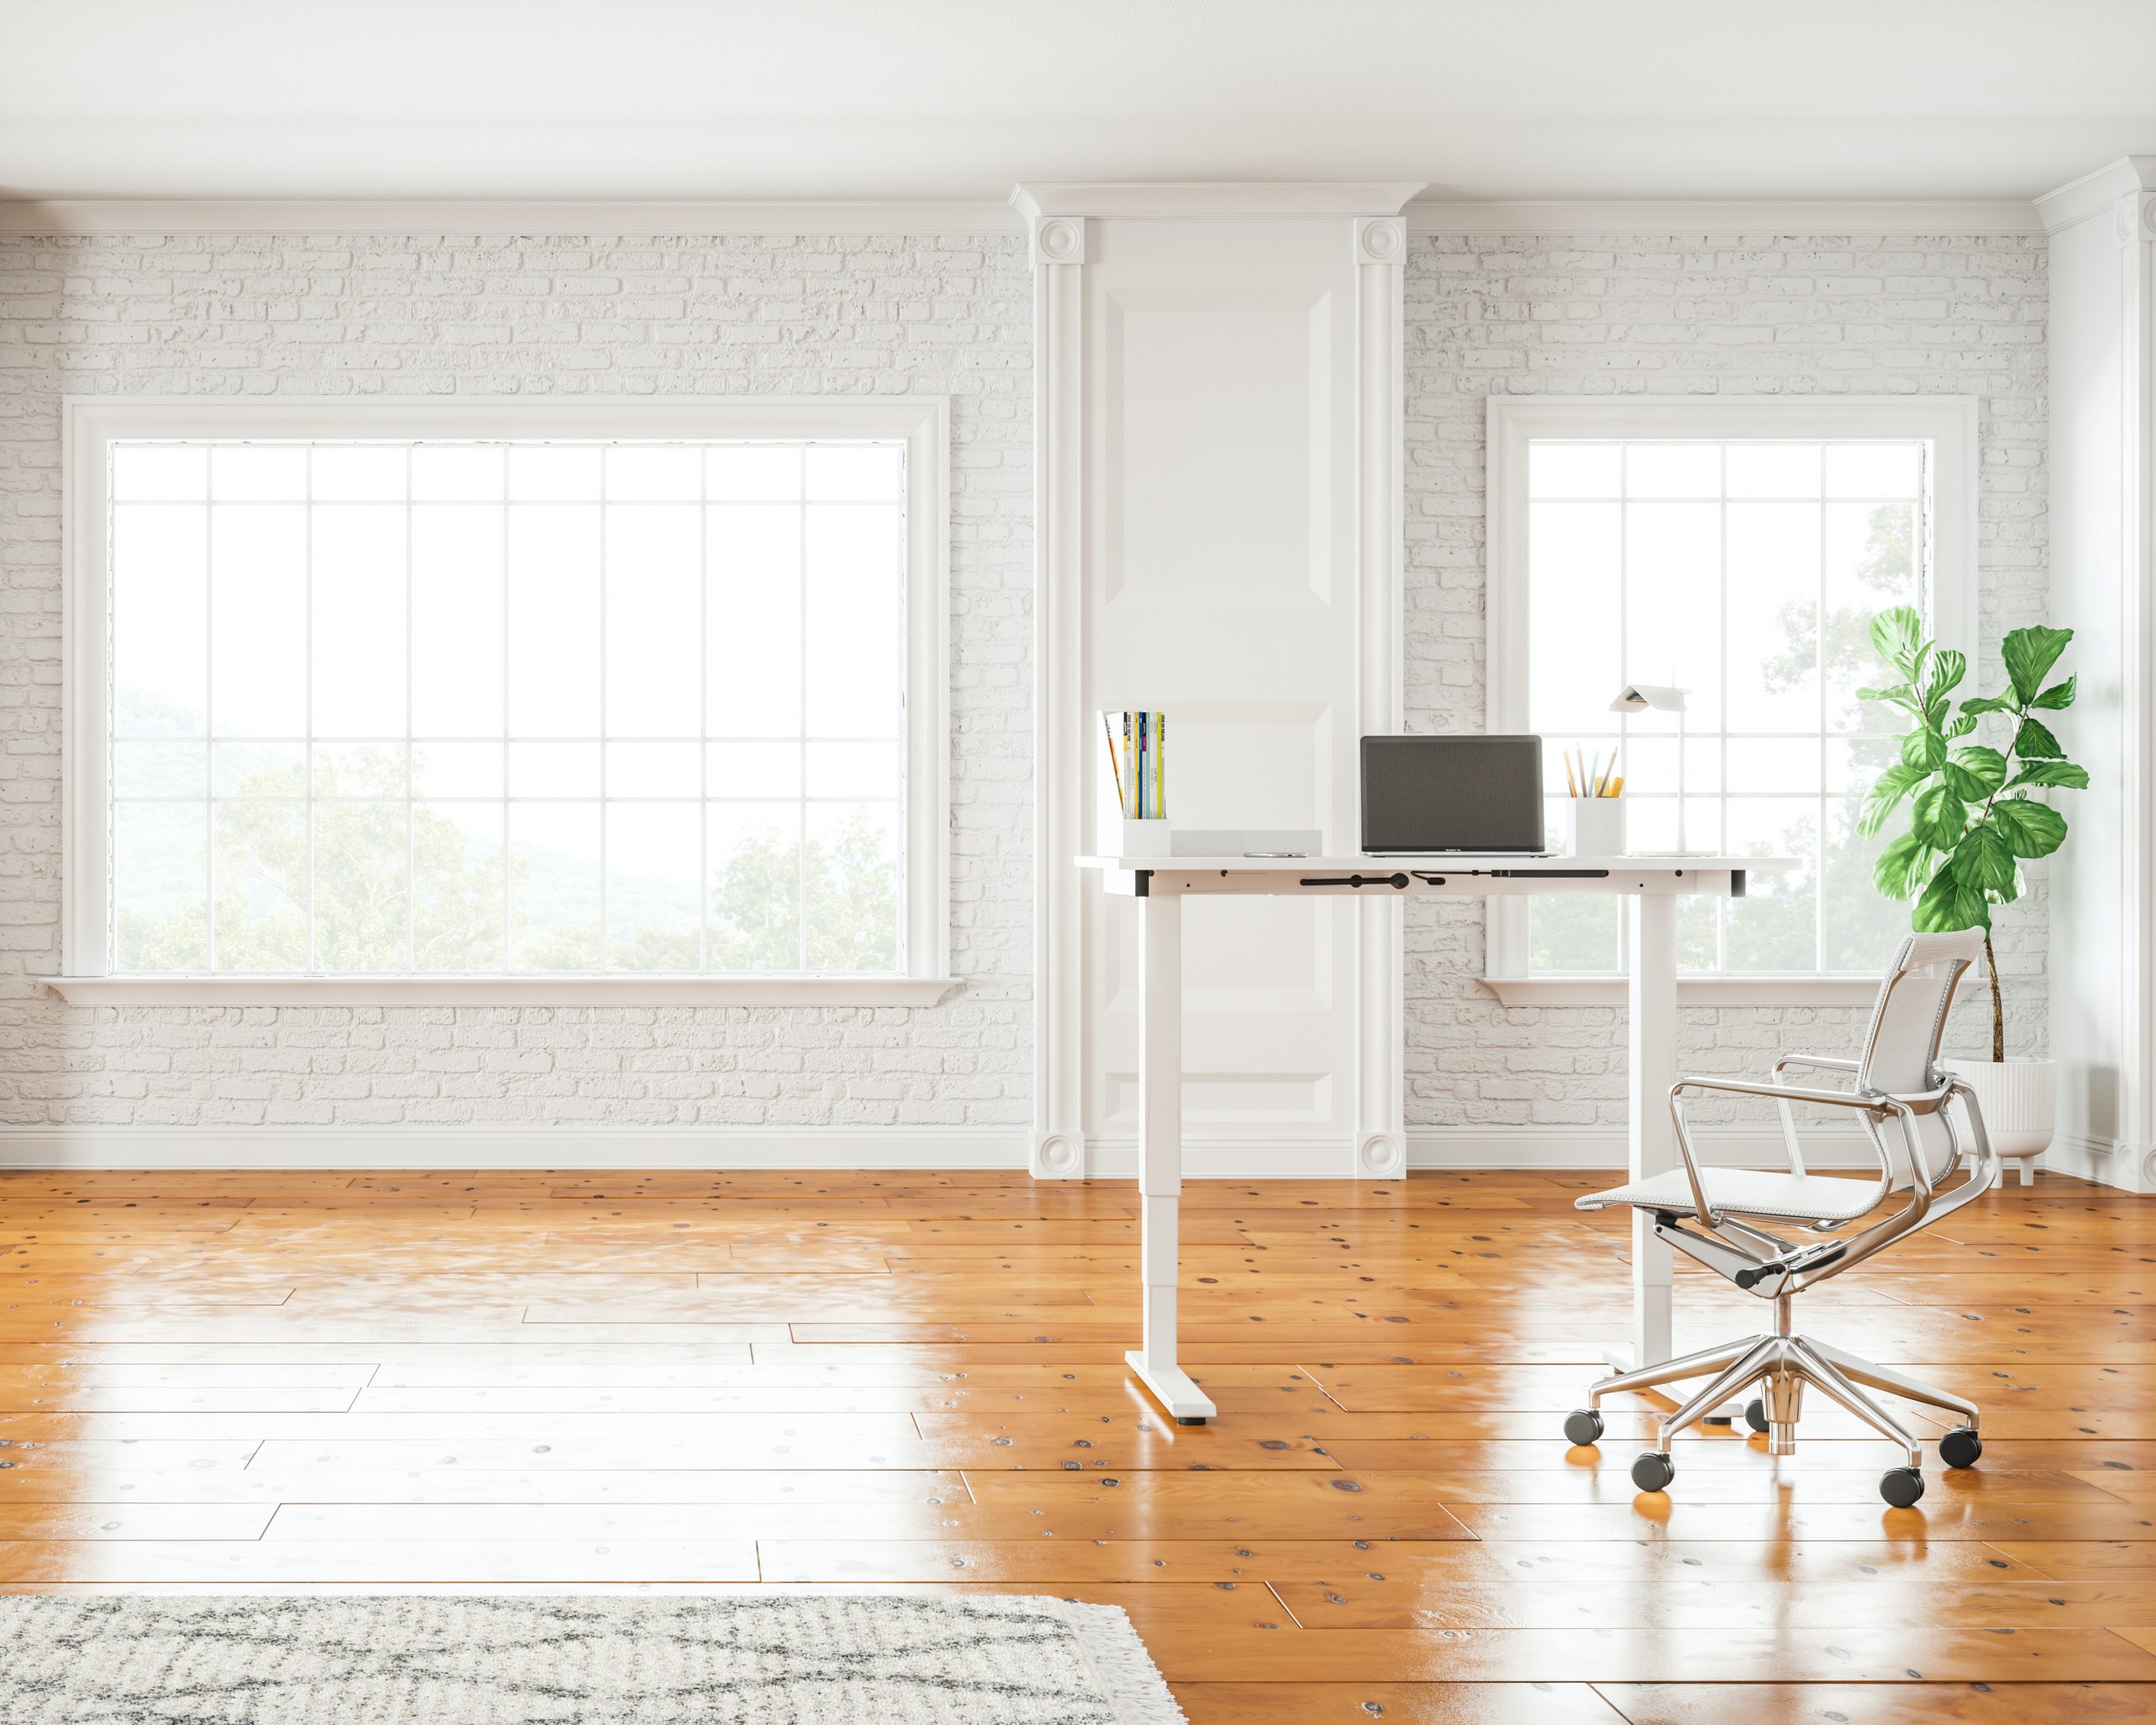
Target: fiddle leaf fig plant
1974, 817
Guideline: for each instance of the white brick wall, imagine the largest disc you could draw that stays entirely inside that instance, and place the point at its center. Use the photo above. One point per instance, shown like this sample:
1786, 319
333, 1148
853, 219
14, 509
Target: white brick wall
1673, 315
883, 314
435, 316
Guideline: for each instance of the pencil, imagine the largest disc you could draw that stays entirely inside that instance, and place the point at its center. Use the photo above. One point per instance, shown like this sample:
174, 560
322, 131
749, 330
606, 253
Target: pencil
1107, 730
1571, 785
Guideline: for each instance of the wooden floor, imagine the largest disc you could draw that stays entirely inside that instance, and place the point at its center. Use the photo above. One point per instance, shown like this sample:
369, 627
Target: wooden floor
859, 1382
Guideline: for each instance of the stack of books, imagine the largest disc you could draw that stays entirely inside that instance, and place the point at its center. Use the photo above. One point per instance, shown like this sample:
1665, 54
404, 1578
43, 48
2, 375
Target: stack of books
1137, 746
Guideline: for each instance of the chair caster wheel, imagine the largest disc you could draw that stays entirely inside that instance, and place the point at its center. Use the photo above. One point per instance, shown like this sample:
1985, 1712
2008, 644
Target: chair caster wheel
1961, 1447
1901, 1487
1652, 1472
1755, 1415
1582, 1425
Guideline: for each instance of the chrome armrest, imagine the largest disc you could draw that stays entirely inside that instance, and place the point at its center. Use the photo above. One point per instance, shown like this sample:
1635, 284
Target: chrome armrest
1782, 1095
1793, 1092
1829, 1063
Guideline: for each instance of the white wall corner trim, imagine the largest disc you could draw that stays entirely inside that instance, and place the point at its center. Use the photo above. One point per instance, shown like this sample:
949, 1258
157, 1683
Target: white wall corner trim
2102, 523
2096, 194
1767, 216
492, 219
2105, 1160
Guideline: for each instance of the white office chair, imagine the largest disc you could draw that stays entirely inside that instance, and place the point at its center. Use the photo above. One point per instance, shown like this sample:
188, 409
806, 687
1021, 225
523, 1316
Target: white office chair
1895, 1078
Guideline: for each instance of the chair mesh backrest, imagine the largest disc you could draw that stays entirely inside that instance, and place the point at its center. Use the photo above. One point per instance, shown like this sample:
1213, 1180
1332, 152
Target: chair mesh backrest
1908, 1021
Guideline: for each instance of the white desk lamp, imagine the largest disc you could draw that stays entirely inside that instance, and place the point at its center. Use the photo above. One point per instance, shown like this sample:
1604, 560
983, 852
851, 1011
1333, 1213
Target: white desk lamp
1637, 697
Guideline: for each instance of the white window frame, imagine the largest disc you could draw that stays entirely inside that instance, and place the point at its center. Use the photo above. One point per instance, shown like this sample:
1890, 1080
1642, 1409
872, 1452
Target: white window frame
1948, 423
90, 425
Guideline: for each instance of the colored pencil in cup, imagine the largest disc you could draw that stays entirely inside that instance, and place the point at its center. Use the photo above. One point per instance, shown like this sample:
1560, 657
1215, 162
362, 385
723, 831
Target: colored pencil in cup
1115, 766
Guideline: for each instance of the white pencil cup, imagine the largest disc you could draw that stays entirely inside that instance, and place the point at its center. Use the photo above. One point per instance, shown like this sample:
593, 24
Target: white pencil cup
1594, 826
1147, 838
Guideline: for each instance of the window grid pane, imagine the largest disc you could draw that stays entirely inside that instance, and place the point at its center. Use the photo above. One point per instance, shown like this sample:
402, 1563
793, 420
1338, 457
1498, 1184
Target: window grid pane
514, 707
1746, 571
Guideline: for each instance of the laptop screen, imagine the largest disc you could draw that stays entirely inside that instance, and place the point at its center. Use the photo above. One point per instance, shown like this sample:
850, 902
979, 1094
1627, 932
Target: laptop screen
1422, 795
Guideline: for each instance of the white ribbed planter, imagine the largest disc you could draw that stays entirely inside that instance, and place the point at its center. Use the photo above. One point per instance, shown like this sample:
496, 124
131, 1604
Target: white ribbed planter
2016, 1100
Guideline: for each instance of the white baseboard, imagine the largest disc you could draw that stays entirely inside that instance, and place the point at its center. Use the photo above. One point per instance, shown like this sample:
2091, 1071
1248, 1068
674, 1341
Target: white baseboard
1205, 1158
2104, 1159
802, 1147
1605, 1147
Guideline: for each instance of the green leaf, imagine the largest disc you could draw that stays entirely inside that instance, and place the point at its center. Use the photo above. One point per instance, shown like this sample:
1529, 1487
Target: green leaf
1939, 818
2057, 696
2032, 740
1947, 904
2030, 828
1924, 750
1886, 795
1897, 637
2029, 654
1983, 860
2064, 774
1982, 768
1961, 726
1901, 694
1904, 867
1948, 668
1990, 703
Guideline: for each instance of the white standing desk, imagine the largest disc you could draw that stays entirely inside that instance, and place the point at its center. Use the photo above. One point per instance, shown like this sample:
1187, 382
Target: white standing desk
1160, 885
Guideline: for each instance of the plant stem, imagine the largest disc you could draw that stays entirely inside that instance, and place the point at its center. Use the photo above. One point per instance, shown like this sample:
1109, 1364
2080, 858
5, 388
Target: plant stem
1998, 1005
1991, 963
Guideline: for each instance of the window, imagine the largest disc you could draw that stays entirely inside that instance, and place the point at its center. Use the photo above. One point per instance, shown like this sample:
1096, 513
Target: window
602, 697
1738, 551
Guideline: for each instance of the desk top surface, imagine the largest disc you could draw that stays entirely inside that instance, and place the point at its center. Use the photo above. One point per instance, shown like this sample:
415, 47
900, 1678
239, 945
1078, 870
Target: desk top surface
1453, 863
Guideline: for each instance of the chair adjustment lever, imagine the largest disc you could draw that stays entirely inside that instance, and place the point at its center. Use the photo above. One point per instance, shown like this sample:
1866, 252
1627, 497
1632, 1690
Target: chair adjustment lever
1790, 1264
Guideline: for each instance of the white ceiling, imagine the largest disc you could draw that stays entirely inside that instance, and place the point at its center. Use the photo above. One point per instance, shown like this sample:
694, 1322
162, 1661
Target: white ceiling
957, 99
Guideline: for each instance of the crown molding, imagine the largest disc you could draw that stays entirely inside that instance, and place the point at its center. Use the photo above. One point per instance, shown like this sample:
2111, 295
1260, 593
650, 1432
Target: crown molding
1748, 216
1032, 202
491, 219
2096, 194
1247, 198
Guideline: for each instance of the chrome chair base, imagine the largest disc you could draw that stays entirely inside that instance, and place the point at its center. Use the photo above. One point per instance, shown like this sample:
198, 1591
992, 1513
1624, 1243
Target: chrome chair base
1783, 1364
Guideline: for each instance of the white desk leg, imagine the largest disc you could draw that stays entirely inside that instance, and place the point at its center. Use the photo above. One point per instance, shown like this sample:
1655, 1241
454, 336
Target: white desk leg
1160, 1153
1653, 1139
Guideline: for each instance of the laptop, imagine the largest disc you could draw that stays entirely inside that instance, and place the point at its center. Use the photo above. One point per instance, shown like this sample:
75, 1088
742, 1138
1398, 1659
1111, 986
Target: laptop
1425, 796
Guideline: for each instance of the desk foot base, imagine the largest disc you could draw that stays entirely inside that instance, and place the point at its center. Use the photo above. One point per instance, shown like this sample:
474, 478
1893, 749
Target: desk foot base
1619, 1359
1171, 1386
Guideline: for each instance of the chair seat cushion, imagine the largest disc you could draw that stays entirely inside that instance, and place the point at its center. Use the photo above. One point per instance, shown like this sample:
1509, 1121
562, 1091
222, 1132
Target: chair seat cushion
1809, 1198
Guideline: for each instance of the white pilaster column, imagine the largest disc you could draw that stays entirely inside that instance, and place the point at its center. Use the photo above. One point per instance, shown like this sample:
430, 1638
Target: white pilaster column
1059, 256
2101, 523
1380, 483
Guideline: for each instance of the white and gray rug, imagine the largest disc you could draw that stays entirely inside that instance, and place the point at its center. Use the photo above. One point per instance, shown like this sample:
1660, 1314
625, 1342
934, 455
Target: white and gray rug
819, 1660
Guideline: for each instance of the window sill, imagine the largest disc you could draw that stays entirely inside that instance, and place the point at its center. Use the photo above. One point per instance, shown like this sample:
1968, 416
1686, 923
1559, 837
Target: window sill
501, 991
1691, 991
